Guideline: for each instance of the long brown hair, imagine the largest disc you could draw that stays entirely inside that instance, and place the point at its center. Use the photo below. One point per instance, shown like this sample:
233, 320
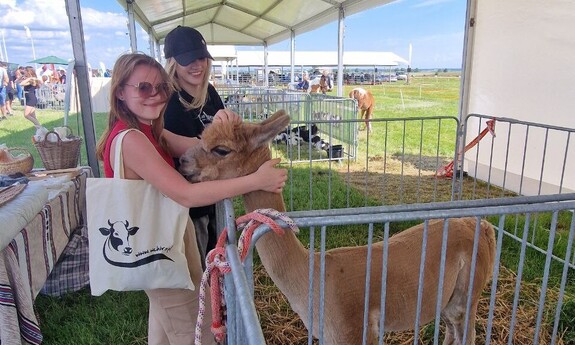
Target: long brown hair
30, 72
199, 100
119, 111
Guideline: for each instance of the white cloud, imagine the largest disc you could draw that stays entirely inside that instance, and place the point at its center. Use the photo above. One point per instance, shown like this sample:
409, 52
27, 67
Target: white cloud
105, 33
428, 3
103, 20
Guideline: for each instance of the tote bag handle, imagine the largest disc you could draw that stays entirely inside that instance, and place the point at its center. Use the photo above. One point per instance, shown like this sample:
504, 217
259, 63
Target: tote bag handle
118, 160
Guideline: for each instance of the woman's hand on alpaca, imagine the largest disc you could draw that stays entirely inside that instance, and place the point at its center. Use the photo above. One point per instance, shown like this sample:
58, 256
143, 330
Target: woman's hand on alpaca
270, 178
226, 115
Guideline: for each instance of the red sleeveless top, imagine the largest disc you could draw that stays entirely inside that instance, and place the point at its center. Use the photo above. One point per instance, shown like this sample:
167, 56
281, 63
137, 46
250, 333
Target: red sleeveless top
147, 130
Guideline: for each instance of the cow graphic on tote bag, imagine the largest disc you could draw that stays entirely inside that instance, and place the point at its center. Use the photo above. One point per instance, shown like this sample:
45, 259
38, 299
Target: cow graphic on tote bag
117, 246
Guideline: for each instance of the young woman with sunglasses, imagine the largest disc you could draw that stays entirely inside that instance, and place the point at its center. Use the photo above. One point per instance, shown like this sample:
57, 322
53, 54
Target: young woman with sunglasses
139, 92
192, 106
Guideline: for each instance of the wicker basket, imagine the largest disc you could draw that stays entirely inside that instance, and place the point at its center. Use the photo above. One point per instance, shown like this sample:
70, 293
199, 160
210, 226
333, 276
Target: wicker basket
23, 164
61, 154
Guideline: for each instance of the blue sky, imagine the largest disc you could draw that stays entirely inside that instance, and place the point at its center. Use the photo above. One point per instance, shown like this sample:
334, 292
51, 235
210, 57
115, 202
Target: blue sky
433, 27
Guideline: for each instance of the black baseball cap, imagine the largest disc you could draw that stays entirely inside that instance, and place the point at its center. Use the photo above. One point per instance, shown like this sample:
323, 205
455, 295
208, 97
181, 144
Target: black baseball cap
185, 44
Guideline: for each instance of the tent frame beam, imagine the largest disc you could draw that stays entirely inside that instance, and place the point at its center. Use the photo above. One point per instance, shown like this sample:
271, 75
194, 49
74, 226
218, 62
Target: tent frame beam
83, 82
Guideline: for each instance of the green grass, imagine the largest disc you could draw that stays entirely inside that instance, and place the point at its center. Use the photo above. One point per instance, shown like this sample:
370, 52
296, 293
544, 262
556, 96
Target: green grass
79, 318
16, 131
438, 98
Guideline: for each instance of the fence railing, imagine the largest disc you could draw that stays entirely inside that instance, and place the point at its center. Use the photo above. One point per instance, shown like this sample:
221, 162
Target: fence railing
522, 157
51, 96
501, 315
322, 118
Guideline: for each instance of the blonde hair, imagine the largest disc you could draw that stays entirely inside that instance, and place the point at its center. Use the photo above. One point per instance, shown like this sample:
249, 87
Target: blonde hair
119, 111
199, 100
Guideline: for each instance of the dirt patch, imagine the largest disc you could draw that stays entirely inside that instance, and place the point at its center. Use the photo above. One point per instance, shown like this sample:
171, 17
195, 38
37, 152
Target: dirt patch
406, 179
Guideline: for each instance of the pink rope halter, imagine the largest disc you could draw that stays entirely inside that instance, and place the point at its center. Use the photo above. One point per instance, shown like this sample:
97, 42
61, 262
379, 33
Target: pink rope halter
217, 266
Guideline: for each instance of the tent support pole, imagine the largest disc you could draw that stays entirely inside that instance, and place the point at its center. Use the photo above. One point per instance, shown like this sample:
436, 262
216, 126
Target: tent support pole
341, 29
132, 25
83, 82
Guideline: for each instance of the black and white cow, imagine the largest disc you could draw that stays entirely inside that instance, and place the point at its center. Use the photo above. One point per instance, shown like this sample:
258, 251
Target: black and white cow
301, 135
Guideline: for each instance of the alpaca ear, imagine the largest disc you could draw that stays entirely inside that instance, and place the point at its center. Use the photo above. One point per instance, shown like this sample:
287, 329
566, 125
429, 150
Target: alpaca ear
271, 127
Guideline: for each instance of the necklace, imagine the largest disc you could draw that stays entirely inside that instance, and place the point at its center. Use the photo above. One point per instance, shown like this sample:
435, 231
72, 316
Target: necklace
188, 106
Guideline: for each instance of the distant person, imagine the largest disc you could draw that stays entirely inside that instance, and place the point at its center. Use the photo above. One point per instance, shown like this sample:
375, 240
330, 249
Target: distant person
328, 81
10, 94
44, 71
304, 83
18, 75
62, 77
3, 83
30, 82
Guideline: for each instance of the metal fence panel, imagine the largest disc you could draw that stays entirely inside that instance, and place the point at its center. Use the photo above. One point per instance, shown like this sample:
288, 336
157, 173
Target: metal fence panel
522, 157
51, 96
376, 172
325, 118
502, 310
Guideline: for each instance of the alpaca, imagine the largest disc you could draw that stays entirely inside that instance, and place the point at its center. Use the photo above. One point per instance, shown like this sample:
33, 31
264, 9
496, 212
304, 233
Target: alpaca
365, 104
232, 149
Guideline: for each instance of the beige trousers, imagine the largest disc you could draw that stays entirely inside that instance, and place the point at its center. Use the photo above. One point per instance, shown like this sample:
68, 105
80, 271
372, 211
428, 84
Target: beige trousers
173, 312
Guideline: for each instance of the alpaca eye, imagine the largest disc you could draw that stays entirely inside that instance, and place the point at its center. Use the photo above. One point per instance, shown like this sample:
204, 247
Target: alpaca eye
221, 151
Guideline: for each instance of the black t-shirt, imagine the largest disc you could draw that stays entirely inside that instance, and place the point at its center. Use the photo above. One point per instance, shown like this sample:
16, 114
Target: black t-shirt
191, 123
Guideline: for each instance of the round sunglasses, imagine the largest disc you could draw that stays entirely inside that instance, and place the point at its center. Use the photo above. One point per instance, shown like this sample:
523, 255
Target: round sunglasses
146, 89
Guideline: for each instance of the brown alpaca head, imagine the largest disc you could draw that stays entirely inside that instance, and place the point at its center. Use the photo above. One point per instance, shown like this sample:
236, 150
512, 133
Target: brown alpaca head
232, 149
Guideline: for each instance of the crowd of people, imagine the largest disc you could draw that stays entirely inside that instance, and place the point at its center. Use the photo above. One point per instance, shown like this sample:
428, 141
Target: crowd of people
21, 85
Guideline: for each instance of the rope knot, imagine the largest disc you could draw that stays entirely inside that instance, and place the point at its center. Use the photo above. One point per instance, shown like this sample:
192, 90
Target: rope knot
219, 331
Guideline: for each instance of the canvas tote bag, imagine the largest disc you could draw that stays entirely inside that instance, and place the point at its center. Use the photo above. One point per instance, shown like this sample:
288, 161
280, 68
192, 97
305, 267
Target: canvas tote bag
135, 234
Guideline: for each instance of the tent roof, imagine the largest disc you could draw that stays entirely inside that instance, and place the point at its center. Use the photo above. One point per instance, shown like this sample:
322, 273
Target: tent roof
243, 22
309, 58
51, 59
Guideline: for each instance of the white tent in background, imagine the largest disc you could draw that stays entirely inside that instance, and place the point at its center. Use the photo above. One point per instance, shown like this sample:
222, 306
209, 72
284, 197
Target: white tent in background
223, 53
320, 58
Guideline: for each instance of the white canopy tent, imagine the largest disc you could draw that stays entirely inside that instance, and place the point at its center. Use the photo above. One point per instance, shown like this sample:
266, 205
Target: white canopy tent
238, 22
503, 42
325, 59
227, 56
319, 58
242, 22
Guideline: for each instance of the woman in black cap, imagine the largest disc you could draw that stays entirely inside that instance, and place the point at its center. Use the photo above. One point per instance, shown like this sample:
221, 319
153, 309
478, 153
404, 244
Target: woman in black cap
192, 106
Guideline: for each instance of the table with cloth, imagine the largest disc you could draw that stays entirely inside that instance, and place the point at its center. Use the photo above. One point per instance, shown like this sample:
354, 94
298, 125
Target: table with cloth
41, 226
